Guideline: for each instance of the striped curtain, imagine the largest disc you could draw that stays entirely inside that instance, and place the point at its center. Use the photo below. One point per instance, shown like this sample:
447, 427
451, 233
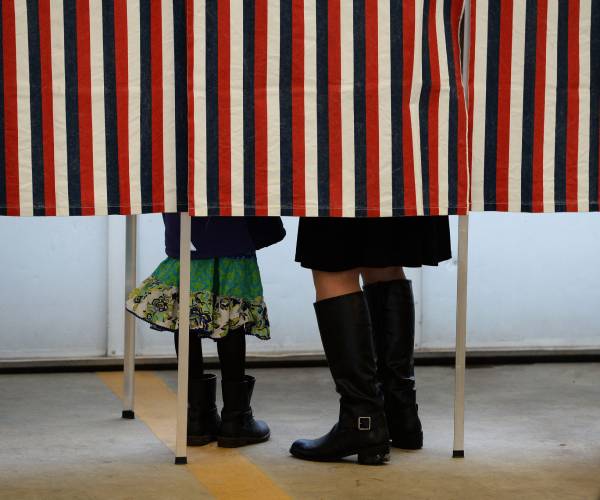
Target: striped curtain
89, 95
326, 107
535, 105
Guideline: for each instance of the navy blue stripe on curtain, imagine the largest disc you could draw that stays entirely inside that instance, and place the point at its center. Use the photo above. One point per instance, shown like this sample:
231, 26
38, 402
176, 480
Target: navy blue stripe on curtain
3, 208
322, 36
35, 106
285, 99
453, 138
212, 107
595, 107
360, 109
529, 106
72, 106
181, 103
249, 111
424, 103
110, 108
491, 104
397, 96
146, 105
562, 87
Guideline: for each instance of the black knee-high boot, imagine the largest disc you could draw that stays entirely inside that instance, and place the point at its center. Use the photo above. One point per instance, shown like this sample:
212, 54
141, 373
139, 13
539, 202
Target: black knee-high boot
238, 426
345, 329
203, 417
392, 309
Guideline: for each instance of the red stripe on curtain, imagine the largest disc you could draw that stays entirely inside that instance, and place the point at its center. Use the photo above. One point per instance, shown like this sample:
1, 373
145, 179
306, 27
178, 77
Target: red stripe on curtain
122, 76
434, 111
260, 107
408, 44
224, 97
540, 111
11, 124
298, 117
158, 182
47, 107
572, 156
504, 102
372, 107
84, 83
335, 109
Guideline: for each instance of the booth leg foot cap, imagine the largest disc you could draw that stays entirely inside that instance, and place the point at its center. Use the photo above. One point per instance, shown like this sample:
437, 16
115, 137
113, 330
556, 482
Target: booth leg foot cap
180, 460
458, 454
128, 414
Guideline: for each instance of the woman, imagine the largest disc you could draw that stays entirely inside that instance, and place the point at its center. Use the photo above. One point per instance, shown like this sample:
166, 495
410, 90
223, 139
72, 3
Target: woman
368, 335
226, 304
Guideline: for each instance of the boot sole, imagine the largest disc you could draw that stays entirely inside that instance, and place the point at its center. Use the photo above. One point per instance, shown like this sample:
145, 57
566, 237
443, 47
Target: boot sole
409, 442
375, 455
237, 442
200, 440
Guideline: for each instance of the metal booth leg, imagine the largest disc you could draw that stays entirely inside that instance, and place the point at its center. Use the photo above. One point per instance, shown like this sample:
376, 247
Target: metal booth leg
461, 338
129, 348
184, 339
462, 279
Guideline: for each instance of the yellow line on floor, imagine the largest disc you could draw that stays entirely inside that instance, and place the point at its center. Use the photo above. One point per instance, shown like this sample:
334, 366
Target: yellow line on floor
226, 473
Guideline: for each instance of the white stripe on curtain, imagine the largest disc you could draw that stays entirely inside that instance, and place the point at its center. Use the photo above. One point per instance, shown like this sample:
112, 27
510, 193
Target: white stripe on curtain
237, 106
98, 115
200, 196
59, 105
347, 44
385, 110
135, 138
23, 107
310, 108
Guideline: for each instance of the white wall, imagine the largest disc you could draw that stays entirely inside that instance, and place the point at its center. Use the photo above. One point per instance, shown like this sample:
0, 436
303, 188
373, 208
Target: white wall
534, 282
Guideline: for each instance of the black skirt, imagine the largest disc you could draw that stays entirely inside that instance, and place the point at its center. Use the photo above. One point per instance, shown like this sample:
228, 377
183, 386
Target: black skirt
332, 244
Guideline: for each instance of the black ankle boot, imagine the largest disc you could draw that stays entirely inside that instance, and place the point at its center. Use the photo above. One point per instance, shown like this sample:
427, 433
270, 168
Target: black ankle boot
238, 427
361, 430
392, 309
203, 417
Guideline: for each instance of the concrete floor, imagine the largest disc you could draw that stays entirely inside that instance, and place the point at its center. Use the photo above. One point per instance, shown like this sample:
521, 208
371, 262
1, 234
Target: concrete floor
532, 432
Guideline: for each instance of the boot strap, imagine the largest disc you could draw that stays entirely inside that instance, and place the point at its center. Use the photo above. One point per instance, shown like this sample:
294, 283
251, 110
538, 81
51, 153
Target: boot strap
364, 423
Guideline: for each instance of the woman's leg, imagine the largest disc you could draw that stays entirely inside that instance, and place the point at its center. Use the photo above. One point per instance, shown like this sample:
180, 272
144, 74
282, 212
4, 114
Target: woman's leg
345, 328
391, 306
238, 426
372, 275
329, 285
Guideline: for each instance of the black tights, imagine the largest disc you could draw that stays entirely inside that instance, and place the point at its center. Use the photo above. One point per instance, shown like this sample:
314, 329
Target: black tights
232, 356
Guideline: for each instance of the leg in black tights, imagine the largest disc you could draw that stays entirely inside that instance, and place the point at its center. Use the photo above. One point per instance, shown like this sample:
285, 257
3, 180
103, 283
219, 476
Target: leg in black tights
238, 426
196, 370
232, 356
203, 417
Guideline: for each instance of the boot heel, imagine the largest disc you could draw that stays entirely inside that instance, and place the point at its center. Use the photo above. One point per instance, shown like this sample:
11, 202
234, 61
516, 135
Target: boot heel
377, 455
409, 441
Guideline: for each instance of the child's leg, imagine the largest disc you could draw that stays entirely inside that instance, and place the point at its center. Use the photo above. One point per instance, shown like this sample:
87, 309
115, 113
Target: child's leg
238, 426
203, 417
196, 363
232, 355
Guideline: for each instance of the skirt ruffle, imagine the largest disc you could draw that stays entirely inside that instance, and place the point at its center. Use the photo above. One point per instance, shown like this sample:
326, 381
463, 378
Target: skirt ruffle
212, 315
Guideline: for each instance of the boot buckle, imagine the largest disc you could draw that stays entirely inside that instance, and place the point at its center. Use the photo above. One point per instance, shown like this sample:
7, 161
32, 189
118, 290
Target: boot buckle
364, 423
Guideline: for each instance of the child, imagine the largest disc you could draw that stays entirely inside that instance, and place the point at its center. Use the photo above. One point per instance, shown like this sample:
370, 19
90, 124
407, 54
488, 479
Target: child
226, 304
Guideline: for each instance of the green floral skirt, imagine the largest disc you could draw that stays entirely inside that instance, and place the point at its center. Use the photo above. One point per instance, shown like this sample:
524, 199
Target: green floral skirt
226, 295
